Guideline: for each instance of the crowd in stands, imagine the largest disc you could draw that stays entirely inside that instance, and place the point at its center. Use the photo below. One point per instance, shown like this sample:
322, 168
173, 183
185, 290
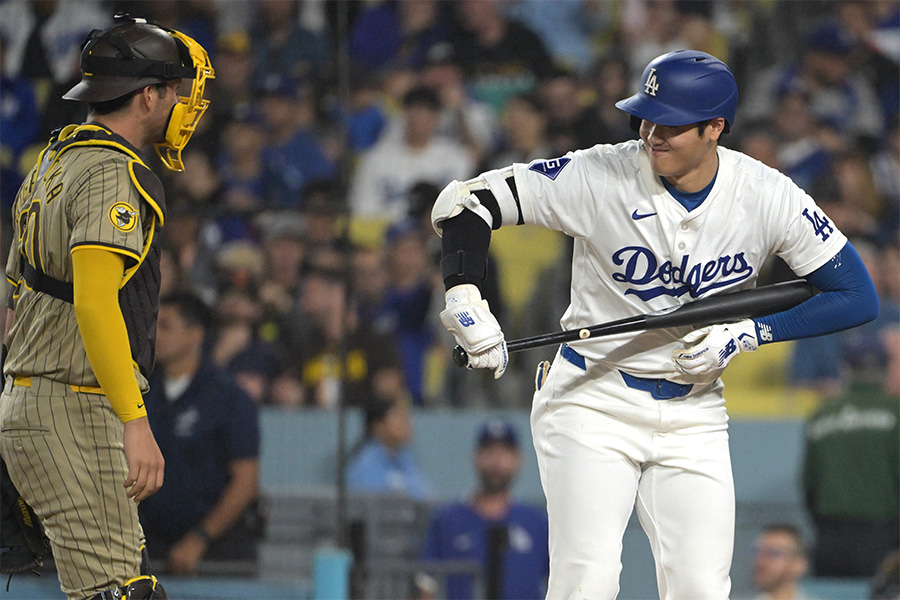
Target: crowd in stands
303, 216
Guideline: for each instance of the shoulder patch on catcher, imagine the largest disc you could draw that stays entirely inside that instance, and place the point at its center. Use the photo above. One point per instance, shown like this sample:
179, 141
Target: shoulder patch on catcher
123, 216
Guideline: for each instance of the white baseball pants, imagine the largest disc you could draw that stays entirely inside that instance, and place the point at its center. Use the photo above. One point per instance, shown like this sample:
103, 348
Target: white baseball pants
604, 448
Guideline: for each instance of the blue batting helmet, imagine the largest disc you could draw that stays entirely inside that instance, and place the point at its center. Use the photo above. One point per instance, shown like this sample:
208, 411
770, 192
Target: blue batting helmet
683, 87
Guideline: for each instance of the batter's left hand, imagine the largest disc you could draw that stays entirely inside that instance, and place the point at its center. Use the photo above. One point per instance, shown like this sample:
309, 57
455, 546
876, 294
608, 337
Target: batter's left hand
711, 348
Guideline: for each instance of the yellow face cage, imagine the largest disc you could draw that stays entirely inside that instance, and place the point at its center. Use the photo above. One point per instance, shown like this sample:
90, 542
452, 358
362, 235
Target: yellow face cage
186, 114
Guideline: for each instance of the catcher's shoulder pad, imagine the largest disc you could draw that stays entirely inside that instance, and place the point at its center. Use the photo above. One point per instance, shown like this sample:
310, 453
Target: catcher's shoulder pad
144, 179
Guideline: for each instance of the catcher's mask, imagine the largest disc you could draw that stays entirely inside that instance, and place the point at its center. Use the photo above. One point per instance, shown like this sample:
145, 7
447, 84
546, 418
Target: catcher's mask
135, 53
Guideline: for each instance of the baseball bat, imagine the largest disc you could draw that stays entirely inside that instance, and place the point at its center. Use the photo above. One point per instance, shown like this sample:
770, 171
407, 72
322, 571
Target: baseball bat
720, 308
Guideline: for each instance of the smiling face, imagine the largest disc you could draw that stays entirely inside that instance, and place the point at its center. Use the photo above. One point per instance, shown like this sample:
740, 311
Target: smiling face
684, 154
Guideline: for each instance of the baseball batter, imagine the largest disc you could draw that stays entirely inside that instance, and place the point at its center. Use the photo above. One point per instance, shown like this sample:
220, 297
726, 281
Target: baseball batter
82, 319
638, 420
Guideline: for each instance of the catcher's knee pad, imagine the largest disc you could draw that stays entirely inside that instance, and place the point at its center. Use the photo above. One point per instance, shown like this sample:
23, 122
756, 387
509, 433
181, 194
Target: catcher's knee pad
144, 587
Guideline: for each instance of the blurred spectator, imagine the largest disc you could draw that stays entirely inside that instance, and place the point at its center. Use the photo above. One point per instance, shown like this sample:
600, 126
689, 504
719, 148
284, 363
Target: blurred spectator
314, 336
499, 56
293, 156
524, 133
851, 472
208, 433
885, 167
839, 97
759, 141
194, 248
43, 45
463, 118
231, 92
240, 266
199, 192
566, 30
226, 215
171, 278
650, 28
801, 154
397, 33
655, 27
384, 463
421, 198
407, 300
698, 29
561, 100
282, 47
238, 347
602, 122
780, 563
322, 209
379, 189
241, 168
365, 116
874, 27
858, 192
284, 247
509, 538
20, 123
196, 18
370, 280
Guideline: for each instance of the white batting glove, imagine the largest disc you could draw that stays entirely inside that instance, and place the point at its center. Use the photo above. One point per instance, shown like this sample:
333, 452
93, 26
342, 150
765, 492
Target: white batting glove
711, 348
469, 319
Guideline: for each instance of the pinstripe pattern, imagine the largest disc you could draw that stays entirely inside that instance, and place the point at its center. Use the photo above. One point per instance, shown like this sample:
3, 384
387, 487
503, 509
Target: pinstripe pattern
44, 340
64, 448
67, 442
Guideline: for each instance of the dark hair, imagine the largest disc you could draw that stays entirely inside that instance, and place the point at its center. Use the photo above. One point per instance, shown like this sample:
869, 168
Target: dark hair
110, 106
790, 530
422, 96
192, 309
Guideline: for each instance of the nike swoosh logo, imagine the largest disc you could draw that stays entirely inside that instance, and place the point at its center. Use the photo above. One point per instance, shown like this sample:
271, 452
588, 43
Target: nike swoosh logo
638, 217
141, 405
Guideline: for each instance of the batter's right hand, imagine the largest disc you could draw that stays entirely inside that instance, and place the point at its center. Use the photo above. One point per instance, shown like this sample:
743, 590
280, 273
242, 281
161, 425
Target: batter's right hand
469, 319
145, 461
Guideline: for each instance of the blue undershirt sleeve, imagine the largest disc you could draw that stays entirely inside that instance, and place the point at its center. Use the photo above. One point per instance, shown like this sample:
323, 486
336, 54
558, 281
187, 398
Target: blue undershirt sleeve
848, 299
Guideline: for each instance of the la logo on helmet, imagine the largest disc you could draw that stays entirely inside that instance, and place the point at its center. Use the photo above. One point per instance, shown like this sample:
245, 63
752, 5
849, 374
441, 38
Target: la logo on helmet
650, 86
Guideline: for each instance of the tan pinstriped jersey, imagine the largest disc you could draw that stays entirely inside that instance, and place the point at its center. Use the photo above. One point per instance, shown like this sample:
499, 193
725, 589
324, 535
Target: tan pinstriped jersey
83, 195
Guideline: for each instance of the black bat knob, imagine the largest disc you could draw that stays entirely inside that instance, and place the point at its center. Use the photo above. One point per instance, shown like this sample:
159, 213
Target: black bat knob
460, 358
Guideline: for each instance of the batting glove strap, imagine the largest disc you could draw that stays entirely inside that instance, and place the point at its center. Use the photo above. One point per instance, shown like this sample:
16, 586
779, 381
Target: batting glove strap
710, 349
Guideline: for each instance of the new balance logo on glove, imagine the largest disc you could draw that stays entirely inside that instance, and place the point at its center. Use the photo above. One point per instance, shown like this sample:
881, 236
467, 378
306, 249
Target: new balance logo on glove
727, 351
464, 319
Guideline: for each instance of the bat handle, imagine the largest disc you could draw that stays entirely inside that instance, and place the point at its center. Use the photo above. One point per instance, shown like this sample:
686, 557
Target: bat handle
460, 358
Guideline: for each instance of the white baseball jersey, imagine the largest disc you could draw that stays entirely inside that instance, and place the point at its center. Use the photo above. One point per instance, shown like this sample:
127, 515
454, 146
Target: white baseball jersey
638, 250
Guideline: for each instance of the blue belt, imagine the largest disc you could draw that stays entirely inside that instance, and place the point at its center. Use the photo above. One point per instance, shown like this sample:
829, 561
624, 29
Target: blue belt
659, 389
573, 357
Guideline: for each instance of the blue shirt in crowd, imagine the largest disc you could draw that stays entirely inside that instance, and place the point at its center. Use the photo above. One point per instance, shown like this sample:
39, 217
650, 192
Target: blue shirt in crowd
377, 469
458, 532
